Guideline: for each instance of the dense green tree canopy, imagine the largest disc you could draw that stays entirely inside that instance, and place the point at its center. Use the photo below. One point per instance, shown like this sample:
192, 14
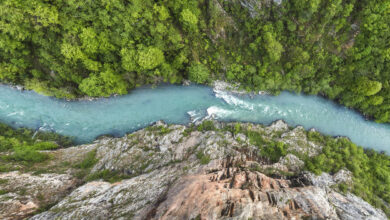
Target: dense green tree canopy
367, 87
198, 73
336, 48
104, 84
150, 58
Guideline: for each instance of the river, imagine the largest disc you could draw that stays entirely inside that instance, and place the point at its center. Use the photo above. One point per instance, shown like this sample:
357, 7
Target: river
85, 120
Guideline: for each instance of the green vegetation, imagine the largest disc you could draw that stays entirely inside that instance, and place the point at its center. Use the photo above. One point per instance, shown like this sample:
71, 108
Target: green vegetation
335, 48
84, 170
371, 170
204, 159
162, 130
198, 73
269, 149
107, 175
24, 145
84, 166
72, 48
89, 161
206, 126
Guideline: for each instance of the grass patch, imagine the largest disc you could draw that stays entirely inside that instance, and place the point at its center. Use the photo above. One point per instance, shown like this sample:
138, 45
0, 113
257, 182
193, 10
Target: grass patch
274, 151
108, 176
44, 208
3, 191
164, 130
5, 167
23, 146
161, 129
26, 154
188, 130
86, 164
89, 160
203, 158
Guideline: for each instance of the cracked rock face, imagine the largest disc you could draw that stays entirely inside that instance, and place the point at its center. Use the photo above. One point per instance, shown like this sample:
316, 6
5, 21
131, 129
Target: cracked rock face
220, 190
178, 174
233, 193
25, 193
103, 200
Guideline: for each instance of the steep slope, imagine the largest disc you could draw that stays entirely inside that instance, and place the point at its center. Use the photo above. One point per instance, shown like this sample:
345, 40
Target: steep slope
206, 171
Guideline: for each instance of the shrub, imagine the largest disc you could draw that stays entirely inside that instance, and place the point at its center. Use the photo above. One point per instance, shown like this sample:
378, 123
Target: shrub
274, 150
206, 126
45, 146
89, 160
27, 154
204, 159
107, 175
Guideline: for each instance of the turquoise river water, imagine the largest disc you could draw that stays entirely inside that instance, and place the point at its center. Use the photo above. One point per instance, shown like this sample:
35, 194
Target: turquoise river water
85, 120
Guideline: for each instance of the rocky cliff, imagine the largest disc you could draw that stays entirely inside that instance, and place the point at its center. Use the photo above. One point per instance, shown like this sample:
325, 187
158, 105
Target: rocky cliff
182, 172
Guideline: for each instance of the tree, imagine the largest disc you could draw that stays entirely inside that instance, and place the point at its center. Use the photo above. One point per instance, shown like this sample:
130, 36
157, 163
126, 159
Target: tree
198, 73
149, 58
89, 40
189, 20
129, 62
273, 47
367, 87
235, 72
104, 84
161, 11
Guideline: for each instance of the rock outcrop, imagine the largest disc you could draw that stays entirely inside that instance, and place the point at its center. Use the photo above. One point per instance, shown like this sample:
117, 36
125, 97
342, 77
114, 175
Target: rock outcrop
175, 172
23, 194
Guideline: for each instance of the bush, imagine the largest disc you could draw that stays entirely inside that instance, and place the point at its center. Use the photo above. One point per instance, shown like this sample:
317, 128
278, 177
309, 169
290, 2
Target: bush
22, 147
274, 151
89, 160
206, 126
45, 146
107, 175
255, 138
204, 159
27, 154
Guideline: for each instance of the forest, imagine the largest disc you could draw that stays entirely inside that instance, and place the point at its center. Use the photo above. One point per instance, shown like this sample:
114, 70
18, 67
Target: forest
339, 49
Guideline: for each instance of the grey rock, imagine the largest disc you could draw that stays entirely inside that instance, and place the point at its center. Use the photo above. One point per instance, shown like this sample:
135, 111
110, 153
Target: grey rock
27, 192
292, 162
298, 142
212, 174
351, 207
278, 125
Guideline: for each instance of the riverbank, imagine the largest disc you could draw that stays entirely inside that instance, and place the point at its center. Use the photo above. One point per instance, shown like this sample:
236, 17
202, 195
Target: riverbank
223, 86
217, 85
243, 170
85, 120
